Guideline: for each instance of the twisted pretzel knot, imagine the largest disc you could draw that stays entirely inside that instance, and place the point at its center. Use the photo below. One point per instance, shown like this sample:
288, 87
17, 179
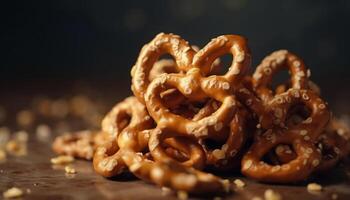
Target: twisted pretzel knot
300, 136
186, 58
333, 144
111, 158
126, 122
195, 86
165, 134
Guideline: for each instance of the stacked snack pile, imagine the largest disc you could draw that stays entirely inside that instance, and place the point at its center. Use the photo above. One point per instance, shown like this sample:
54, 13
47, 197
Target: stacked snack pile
186, 118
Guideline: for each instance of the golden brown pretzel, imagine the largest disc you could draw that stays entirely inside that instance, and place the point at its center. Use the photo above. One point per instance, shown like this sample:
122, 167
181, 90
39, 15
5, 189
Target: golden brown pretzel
81, 144
169, 173
188, 147
332, 145
301, 137
187, 58
131, 141
119, 117
107, 160
232, 138
196, 87
278, 60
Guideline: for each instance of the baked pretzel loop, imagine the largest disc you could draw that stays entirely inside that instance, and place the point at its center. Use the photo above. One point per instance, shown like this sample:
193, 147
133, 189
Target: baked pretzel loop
196, 87
150, 53
186, 58
169, 173
81, 144
128, 119
333, 144
301, 137
224, 154
193, 154
278, 60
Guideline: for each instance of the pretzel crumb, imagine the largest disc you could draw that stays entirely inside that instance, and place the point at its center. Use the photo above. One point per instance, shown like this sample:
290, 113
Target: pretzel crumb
43, 133
239, 183
12, 193
226, 184
182, 195
257, 198
258, 126
217, 198
334, 196
312, 187
16, 148
272, 195
61, 160
70, 170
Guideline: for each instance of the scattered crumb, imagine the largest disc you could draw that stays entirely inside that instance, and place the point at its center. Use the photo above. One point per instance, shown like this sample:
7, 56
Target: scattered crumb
257, 198
61, 160
70, 170
314, 187
182, 195
16, 148
217, 198
226, 184
334, 196
25, 118
239, 183
59, 108
272, 195
12, 193
21, 136
70, 175
43, 133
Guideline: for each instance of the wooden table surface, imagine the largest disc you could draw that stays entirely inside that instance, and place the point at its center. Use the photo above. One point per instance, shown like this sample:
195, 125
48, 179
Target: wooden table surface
39, 179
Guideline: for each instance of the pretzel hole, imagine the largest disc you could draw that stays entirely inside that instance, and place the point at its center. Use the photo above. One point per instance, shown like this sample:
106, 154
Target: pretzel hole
221, 65
123, 120
280, 81
175, 153
327, 149
215, 143
285, 155
297, 113
165, 64
180, 105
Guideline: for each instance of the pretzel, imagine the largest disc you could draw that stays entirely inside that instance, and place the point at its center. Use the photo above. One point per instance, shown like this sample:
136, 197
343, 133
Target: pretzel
232, 138
171, 174
276, 61
333, 146
190, 148
185, 57
196, 87
125, 122
301, 137
81, 144
127, 151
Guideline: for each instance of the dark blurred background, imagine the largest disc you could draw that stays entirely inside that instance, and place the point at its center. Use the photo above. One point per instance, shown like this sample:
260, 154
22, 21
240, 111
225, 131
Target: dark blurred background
100, 40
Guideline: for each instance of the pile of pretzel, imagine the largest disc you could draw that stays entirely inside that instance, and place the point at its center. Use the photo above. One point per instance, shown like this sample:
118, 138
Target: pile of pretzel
186, 118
